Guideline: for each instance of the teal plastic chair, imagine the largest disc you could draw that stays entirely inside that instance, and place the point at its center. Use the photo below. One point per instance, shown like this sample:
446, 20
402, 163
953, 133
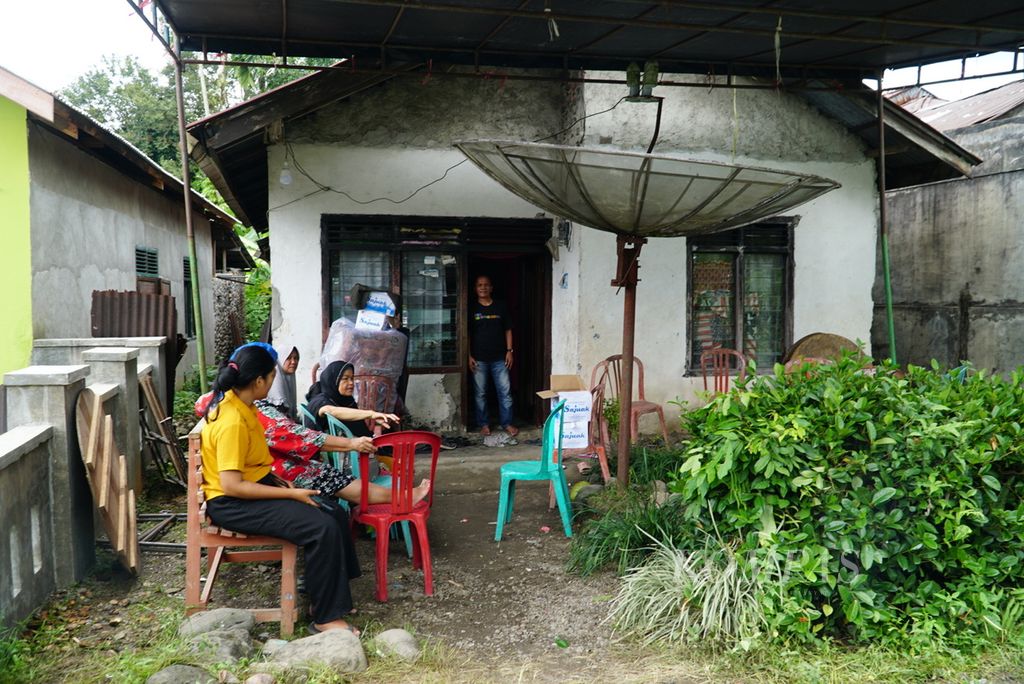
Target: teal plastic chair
339, 429
549, 467
306, 418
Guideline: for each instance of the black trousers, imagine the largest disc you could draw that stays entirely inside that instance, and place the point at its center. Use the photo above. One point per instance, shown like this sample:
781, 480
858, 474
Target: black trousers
325, 538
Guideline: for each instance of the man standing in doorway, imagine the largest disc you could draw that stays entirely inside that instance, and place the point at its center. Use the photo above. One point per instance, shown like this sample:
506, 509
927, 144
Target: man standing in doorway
490, 344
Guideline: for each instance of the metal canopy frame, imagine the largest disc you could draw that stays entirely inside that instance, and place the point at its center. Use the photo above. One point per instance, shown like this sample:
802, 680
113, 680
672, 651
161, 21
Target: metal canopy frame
853, 38
777, 39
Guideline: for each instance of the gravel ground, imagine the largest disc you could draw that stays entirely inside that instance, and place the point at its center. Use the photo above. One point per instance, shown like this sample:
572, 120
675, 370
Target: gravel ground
510, 610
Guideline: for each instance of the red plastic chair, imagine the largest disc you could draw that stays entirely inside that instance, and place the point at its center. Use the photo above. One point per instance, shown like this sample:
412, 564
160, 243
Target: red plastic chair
400, 508
375, 393
608, 374
722, 362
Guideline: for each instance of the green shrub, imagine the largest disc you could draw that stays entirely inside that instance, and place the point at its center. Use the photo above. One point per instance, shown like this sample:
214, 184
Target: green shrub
893, 502
623, 533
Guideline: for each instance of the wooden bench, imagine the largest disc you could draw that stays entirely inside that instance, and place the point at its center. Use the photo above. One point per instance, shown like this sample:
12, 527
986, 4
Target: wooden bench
225, 546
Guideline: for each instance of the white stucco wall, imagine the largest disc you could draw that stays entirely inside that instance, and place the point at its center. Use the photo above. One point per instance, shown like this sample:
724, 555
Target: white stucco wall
388, 142
86, 221
392, 140
834, 251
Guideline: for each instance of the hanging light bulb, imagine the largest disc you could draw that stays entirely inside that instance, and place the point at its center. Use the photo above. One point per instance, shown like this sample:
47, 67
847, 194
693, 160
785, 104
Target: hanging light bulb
286, 174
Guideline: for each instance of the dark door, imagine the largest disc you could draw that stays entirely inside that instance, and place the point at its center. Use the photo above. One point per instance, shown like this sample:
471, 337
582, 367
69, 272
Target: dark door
523, 282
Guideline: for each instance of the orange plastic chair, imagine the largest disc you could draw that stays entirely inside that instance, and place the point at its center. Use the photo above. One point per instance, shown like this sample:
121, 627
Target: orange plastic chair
400, 508
375, 393
722, 362
608, 374
202, 534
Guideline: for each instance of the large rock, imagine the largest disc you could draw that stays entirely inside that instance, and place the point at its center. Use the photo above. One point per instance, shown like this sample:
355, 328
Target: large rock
222, 645
261, 678
272, 646
218, 618
338, 649
181, 674
398, 643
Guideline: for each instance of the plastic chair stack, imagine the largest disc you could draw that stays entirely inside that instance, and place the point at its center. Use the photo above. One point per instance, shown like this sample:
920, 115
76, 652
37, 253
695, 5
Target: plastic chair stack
549, 467
401, 507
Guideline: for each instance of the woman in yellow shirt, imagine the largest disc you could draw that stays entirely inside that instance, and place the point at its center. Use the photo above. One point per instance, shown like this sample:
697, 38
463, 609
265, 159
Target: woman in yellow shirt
243, 495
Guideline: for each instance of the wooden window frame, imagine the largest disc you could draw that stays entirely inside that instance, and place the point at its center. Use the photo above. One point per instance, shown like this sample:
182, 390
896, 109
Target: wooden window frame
694, 246
396, 235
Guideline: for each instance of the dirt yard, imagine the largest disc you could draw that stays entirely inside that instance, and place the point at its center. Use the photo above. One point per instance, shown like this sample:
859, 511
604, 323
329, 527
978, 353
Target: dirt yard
504, 612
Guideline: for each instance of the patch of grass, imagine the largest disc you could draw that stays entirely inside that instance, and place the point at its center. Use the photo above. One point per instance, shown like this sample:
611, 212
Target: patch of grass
438, 663
14, 652
623, 533
830, 663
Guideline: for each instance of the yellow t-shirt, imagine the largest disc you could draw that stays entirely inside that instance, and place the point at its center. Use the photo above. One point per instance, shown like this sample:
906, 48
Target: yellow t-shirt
233, 440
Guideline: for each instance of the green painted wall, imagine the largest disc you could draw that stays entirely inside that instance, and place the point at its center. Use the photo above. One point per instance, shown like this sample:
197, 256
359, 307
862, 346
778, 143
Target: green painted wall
16, 250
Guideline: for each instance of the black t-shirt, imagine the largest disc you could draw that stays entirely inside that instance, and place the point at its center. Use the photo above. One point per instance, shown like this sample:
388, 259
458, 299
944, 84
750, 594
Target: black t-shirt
487, 326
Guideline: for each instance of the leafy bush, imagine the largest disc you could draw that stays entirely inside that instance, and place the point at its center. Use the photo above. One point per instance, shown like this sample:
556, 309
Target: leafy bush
257, 301
895, 503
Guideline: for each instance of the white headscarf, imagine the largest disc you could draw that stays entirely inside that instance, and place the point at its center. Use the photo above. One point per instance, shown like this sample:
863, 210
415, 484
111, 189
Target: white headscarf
282, 392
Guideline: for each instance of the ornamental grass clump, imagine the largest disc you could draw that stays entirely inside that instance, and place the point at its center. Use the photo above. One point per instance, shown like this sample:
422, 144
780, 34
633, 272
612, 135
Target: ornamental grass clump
707, 596
893, 502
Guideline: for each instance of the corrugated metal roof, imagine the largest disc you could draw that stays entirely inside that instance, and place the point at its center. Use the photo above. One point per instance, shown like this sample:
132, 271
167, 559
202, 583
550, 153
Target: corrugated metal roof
976, 109
840, 38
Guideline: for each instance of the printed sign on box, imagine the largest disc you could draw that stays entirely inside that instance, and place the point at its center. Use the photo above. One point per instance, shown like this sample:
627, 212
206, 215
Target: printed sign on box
576, 414
370, 320
381, 302
575, 435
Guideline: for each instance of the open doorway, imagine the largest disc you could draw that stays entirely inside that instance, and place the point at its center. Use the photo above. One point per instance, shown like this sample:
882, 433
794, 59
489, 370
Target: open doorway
523, 282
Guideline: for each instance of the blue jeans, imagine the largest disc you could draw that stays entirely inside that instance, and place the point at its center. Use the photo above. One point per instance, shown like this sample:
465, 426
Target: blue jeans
497, 371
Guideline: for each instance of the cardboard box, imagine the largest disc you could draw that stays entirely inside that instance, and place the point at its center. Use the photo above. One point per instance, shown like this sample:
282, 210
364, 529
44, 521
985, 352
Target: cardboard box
576, 414
380, 302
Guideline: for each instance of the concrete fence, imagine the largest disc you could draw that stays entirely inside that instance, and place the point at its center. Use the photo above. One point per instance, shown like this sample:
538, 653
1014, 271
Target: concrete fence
47, 532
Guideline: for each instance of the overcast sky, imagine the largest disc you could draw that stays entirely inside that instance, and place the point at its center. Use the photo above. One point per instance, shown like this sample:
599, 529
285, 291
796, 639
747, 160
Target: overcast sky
53, 42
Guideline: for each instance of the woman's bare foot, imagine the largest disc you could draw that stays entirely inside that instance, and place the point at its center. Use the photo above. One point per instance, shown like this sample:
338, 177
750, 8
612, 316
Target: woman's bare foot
485, 430
420, 493
512, 430
333, 624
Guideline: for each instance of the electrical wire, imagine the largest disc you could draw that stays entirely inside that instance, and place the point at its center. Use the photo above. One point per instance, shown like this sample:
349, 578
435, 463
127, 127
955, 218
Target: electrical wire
322, 187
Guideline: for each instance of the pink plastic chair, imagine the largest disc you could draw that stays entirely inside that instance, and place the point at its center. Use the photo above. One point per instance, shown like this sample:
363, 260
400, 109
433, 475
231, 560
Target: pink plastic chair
722, 362
608, 374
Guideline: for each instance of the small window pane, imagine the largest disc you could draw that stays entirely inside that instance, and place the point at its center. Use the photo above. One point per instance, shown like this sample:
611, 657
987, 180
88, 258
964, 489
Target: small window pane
714, 288
348, 267
430, 301
764, 307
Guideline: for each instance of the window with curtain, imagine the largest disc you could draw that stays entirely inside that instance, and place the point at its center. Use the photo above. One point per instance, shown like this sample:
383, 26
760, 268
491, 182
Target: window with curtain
739, 292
